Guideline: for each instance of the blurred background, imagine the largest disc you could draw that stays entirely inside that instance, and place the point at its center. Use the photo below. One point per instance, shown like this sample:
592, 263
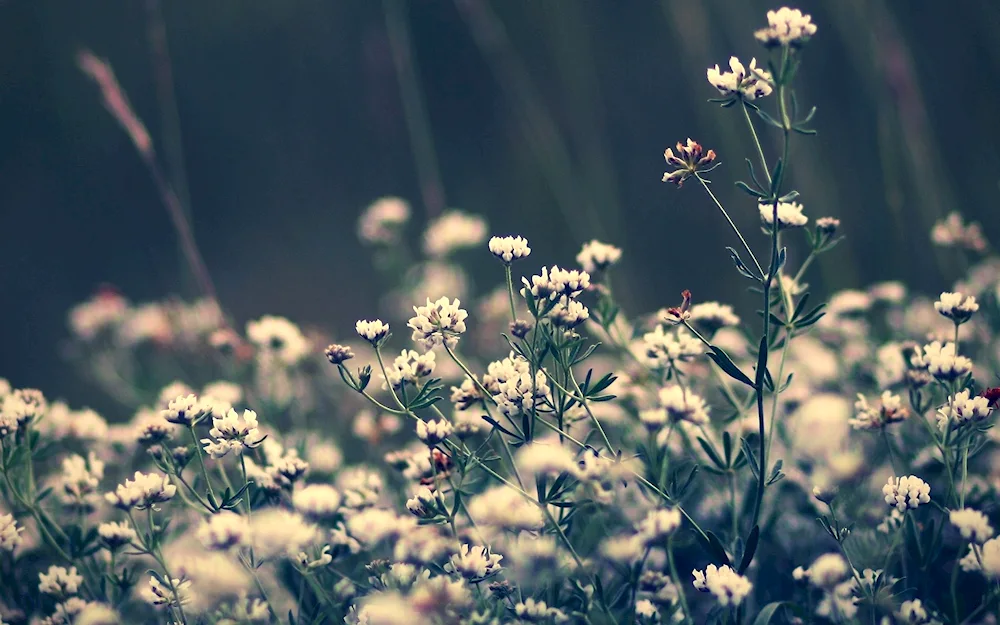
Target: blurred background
279, 122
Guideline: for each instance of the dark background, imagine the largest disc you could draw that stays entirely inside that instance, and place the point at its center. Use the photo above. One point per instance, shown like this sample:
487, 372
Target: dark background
548, 117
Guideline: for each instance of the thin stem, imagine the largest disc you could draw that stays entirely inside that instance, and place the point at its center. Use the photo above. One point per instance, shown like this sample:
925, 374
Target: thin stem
756, 141
201, 462
510, 292
746, 246
888, 446
677, 580
965, 474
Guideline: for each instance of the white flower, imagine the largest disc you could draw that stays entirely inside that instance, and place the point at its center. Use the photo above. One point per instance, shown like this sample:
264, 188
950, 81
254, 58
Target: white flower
144, 491
786, 27
906, 492
223, 531
683, 405
751, 84
953, 232
569, 313
23, 406
374, 525
658, 524
972, 524
104, 311
827, 571
665, 350
424, 504
94, 613
532, 611
438, 322
116, 535
10, 533
545, 457
466, 395
646, 611
433, 432
990, 556
555, 282
409, 367
912, 612
372, 331
383, 219
956, 306
511, 384
962, 409
712, 316
474, 563
870, 417
789, 215
275, 532
80, 479
233, 433
596, 256
503, 508
279, 337
184, 410
728, 587
451, 231
509, 249
653, 418
59, 581
317, 500
160, 594
941, 361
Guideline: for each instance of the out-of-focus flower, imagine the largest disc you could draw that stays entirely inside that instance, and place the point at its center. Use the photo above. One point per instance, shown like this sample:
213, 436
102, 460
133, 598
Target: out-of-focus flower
101, 313
956, 306
953, 232
728, 586
683, 405
10, 533
279, 337
144, 491
690, 159
451, 231
224, 531
972, 525
596, 256
60, 581
786, 27
383, 220
868, 417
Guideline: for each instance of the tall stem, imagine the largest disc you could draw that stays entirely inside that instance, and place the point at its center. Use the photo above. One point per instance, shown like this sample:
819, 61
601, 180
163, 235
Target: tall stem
756, 141
746, 246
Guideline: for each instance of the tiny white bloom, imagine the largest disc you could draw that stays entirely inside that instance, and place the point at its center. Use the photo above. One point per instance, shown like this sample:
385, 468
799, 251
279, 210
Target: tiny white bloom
438, 322
433, 432
596, 256
224, 531
10, 533
60, 581
789, 215
509, 249
728, 586
658, 525
972, 525
956, 306
383, 219
786, 27
749, 84
683, 405
474, 563
372, 331
906, 492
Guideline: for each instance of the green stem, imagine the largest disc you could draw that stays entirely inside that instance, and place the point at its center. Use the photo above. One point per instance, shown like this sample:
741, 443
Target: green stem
756, 141
510, 292
731, 224
677, 580
201, 462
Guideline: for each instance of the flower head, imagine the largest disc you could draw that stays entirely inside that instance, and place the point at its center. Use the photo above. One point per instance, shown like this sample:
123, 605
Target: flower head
789, 215
144, 491
60, 581
375, 332
224, 531
116, 535
553, 283
972, 525
474, 563
233, 433
596, 256
868, 417
690, 159
10, 533
728, 586
956, 307
338, 354
786, 27
436, 323
906, 492
658, 525
961, 409
184, 410
683, 405
383, 220
741, 82
433, 432
509, 249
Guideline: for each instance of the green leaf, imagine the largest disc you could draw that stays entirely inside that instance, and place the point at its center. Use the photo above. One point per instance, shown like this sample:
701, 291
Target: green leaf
761, 363
727, 447
711, 453
726, 363
751, 548
741, 266
776, 177
748, 190
714, 547
767, 613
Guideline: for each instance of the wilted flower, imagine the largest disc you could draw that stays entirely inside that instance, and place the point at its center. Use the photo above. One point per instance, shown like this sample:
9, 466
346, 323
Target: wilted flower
689, 160
741, 82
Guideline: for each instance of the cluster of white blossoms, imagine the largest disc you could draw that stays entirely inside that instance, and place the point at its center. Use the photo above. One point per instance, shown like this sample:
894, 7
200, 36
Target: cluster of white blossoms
952, 231
436, 323
176, 593
750, 83
224, 531
433, 432
711, 317
509, 249
451, 231
596, 256
963, 408
956, 306
317, 500
973, 525
10, 533
513, 387
681, 404
116, 534
786, 27
20, 408
372, 331
941, 360
728, 586
234, 433
80, 479
889, 410
906, 492
984, 558
474, 562
410, 367
658, 525
279, 338
666, 349
553, 283
60, 581
144, 491
184, 410
789, 215
826, 571
383, 220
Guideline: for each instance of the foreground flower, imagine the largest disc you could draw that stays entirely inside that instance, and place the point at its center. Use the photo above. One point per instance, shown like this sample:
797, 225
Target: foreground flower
749, 83
59, 581
941, 361
956, 306
553, 283
962, 409
728, 586
789, 215
145, 491
474, 563
436, 323
870, 417
372, 331
433, 432
689, 160
509, 249
10, 533
233, 433
184, 410
160, 594
906, 492
596, 256
786, 27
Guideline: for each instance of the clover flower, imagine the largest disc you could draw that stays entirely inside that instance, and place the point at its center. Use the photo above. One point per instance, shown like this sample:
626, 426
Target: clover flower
474, 562
683, 405
956, 306
912, 612
440, 322
338, 354
409, 367
23, 406
10, 533
963, 408
80, 479
728, 586
451, 231
906, 492
533, 611
953, 232
868, 417
545, 457
224, 531
279, 337
511, 384
503, 508
658, 525
424, 504
184, 410
553, 283
116, 535
233, 433
741, 82
383, 220
375, 332
466, 395
786, 27
509, 249
789, 215
826, 572
666, 350
568, 313
690, 159
941, 361
596, 256
162, 595
60, 581
972, 525
713, 316
433, 432
144, 491
317, 500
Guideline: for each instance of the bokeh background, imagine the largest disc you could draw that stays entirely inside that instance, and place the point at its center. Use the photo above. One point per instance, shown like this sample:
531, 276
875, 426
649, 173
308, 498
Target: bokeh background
280, 121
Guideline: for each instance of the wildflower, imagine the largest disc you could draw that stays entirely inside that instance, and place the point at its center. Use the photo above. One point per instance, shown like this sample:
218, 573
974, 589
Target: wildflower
713, 316
375, 332
512, 386
102, 312
184, 410
338, 354
233, 433
962, 409
433, 432
10, 533
569, 313
867, 417
653, 418
941, 361
279, 337
275, 532
972, 525
175, 593
658, 525
94, 613
59, 581
906, 492
509, 249
474, 563
789, 215
533, 611
826, 571
729, 587
545, 457
383, 220
409, 367
740, 83
374, 525
438, 322
689, 160
145, 491
953, 232
646, 612
466, 395
683, 405
520, 328
79, 480
116, 535
553, 283
503, 508
827, 226
666, 350
423, 505
786, 27
912, 612
24, 406
596, 256
956, 307
287, 469
317, 500
451, 231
